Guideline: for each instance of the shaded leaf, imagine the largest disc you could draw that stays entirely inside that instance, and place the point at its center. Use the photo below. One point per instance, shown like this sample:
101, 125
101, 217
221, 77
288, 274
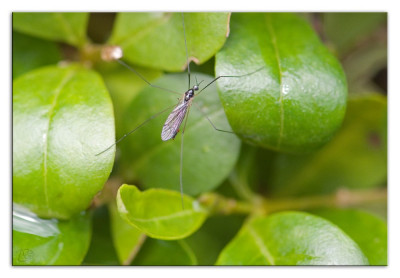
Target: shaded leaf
212, 237
367, 230
291, 238
298, 100
62, 117
101, 250
159, 212
156, 40
126, 238
346, 29
38, 241
30, 53
65, 27
208, 155
160, 252
355, 158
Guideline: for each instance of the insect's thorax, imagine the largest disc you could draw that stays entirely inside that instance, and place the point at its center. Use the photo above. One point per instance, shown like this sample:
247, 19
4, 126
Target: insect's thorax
189, 94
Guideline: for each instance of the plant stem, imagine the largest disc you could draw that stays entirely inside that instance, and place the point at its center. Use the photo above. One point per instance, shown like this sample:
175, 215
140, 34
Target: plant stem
343, 198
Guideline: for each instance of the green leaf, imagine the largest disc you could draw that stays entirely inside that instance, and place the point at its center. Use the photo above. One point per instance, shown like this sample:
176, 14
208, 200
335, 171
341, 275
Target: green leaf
159, 212
212, 237
38, 241
30, 53
101, 250
367, 230
208, 155
160, 252
124, 86
62, 117
355, 158
298, 100
127, 239
291, 238
65, 27
156, 40
346, 29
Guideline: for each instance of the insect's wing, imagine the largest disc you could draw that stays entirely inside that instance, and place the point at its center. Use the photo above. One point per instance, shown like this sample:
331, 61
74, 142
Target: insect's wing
174, 121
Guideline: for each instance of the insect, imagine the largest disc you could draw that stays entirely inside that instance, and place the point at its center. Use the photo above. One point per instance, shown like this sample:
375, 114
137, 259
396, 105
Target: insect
177, 119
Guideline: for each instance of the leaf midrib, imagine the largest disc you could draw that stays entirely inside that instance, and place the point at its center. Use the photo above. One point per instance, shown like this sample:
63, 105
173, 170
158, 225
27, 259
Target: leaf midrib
57, 93
278, 61
261, 245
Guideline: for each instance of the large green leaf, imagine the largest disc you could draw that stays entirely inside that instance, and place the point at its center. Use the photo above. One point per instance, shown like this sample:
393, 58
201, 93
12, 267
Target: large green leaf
355, 158
30, 53
127, 239
156, 40
208, 155
298, 100
161, 252
62, 117
159, 212
291, 238
367, 230
65, 27
38, 241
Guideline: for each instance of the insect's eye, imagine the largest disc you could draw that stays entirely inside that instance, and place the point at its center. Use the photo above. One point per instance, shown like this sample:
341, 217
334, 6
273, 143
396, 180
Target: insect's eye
195, 87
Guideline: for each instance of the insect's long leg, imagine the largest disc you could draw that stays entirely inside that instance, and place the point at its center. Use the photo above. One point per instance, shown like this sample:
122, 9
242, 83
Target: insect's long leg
187, 53
204, 114
144, 79
181, 160
223, 76
136, 128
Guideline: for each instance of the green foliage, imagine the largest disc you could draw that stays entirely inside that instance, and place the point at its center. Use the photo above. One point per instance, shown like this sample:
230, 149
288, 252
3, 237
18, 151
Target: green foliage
65, 27
127, 239
291, 238
160, 252
38, 241
30, 53
159, 212
367, 230
242, 203
354, 158
155, 39
298, 100
62, 117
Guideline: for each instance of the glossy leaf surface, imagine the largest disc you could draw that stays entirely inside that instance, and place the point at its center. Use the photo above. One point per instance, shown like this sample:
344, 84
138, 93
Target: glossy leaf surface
291, 238
367, 230
62, 117
65, 27
30, 53
355, 158
156, 40
159, 212
208, 155
298, 100
38, 241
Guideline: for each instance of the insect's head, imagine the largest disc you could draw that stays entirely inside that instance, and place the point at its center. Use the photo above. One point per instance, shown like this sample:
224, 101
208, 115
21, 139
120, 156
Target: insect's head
196, 87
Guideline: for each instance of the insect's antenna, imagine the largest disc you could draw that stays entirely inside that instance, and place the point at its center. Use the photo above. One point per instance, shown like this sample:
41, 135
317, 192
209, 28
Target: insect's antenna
144, 79
136, 128
181, 163
221, 76
195, 77
187, 54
